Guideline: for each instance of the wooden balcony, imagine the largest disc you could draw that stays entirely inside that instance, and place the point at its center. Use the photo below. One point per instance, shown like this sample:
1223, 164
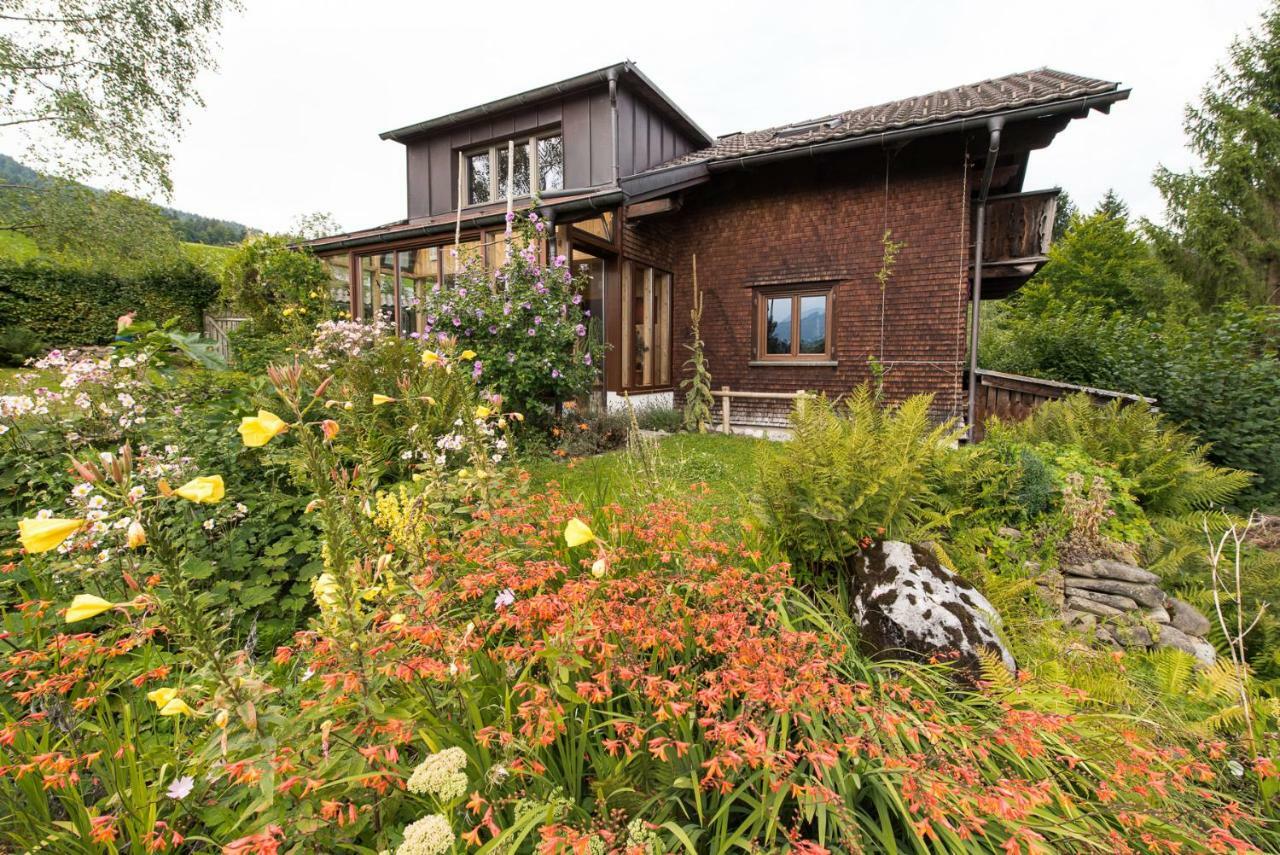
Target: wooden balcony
1018, 231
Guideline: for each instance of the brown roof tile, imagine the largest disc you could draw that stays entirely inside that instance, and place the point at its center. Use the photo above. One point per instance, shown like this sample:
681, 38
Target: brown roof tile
1041, 86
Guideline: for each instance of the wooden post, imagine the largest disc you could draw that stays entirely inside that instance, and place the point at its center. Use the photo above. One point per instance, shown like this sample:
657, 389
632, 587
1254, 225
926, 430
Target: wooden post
457, 228
511, 180
724, 408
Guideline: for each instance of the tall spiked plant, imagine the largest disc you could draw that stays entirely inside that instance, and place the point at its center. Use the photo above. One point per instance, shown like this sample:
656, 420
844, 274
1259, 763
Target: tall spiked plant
697, 386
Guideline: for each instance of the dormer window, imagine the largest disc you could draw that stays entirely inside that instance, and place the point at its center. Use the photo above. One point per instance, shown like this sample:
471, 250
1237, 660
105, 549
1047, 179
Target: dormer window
538, 162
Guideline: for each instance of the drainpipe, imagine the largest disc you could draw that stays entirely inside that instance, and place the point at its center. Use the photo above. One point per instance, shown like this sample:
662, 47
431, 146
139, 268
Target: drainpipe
613, 124
995, 124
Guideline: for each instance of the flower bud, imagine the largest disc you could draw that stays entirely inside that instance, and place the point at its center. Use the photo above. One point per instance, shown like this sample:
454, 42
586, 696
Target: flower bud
137, 535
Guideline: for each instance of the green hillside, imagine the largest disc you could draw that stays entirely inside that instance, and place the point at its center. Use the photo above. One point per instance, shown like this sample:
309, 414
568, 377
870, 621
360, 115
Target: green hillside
190, 228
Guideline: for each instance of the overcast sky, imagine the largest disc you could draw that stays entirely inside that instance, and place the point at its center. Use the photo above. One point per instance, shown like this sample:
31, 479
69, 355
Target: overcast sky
292, 116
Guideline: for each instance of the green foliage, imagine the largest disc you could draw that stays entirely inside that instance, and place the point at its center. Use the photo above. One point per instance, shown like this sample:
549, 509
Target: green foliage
254, 347
281, 288
534, 341
660, 418
1167, 468
107, 79
591, 432
65, 306
1223, 234
869, 472
17, 345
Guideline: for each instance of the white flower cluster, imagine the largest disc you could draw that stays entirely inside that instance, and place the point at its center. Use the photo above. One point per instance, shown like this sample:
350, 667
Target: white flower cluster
333, 340
430, 835
441, 775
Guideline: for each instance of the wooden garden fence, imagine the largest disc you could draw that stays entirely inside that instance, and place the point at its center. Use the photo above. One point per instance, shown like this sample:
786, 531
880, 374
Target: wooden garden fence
217, 328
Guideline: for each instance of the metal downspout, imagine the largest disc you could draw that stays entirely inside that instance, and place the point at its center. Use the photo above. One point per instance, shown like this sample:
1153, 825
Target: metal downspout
613, 124
995, 125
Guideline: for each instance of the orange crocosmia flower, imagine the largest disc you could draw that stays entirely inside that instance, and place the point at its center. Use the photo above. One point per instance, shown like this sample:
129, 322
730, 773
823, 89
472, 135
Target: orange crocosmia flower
265, 842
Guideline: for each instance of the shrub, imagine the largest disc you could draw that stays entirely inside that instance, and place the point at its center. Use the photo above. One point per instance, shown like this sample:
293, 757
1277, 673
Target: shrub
254, 346
525, 322
582, 432
282, 288
660, 418
65, 306
1168, 468
17, 345
870, 473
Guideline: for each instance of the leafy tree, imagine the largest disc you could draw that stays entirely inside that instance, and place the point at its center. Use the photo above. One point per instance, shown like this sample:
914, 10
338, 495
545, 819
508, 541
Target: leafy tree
1223, 232
83, 228
110, 78
279, 287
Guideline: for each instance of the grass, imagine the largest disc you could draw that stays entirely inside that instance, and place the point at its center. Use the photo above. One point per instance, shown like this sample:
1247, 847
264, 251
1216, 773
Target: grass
728, 465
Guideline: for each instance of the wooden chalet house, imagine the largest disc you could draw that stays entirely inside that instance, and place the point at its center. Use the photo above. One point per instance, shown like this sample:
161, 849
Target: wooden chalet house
788, 225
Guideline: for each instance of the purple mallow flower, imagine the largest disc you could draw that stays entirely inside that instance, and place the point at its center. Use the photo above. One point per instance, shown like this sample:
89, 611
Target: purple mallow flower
504, 599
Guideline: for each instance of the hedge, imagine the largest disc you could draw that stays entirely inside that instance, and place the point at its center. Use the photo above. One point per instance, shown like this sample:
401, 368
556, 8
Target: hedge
66, 306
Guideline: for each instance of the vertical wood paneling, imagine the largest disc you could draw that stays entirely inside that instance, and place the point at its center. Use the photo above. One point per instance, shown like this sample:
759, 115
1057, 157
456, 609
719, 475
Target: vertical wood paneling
626, 131
601, 139
577, 142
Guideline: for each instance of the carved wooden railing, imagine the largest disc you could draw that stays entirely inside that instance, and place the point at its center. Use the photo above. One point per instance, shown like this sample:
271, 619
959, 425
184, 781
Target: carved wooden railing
1019, 227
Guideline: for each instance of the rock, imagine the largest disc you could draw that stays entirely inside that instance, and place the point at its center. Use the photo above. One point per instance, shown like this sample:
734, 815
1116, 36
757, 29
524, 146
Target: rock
1050, 589
905, 601
1159, 615
1131, 634
1187, 618
1115, 601
1104, 635
1009, 532
1144, 595
1105, 568
1081, 620
1197, 647
1080, 604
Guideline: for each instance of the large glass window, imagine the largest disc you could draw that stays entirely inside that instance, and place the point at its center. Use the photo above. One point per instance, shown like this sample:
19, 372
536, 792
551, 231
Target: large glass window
339, 269
378, 287
419, 273
795, 325
646, 327
539, 166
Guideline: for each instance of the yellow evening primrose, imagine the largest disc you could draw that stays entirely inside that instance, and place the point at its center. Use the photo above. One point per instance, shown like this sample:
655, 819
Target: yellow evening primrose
258, 430
42, 535
482, 412
468, 354
576, 533
205, 490
162, 696
430, 357
325, 589
599, 568
85, 606
379, 400
177, 706
137, 535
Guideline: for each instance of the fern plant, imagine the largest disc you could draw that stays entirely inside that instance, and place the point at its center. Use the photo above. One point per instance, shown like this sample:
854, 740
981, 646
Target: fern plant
1169, 468
867, 473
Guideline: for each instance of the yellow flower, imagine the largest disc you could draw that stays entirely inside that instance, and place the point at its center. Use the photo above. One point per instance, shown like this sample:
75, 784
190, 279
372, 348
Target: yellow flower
41, 535
468, 354
177, 706
258, 430
205, 490
221, 719
576, 533
482, 412
161, 697
430, 357
325, 589
379, 400
599, 568
137, 535
330, 429
85, 606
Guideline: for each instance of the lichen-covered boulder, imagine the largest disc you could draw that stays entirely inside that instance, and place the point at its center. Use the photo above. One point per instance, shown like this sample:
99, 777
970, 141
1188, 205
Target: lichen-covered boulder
905, 602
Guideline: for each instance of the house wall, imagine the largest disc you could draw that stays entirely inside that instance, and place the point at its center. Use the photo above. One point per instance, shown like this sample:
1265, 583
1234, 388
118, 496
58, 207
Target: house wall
645, 138
823, 221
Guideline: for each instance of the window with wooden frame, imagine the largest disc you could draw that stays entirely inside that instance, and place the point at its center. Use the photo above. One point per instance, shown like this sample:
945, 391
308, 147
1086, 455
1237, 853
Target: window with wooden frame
538, 167
793, 325
646, 327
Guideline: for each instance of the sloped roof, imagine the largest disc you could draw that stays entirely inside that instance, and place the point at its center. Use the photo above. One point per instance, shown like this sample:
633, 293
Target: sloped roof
1029, 88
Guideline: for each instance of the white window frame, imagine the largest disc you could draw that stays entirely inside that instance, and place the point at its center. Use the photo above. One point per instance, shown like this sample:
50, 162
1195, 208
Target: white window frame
496, 149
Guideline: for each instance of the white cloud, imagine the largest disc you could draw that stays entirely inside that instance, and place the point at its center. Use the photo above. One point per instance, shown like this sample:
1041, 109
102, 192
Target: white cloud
292, 115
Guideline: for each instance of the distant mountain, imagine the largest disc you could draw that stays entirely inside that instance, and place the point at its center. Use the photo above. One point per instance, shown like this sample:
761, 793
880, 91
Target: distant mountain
189, 227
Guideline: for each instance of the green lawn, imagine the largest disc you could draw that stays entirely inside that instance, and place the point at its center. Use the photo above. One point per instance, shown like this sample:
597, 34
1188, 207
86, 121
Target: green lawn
727, 464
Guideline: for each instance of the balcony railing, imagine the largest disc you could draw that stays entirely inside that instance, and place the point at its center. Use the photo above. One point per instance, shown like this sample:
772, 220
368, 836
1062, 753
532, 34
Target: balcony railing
1016, 238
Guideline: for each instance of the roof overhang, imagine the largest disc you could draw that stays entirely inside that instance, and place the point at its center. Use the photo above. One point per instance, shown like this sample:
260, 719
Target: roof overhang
626, 73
